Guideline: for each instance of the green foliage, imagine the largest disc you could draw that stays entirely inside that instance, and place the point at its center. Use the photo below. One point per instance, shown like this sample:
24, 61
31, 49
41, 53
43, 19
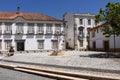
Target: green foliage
110, 15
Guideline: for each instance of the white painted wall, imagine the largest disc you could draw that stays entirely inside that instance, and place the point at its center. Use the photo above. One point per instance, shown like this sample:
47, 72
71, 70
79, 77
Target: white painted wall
99, 37
74, 19
30, 40
69, 29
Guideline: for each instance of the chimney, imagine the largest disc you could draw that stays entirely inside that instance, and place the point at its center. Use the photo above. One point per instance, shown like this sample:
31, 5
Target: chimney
18, 9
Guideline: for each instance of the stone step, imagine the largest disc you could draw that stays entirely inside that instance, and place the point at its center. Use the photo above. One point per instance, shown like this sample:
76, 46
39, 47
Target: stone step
50, 75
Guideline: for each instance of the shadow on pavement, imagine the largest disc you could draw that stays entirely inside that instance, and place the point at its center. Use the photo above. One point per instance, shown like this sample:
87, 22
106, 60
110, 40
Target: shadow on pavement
103, 55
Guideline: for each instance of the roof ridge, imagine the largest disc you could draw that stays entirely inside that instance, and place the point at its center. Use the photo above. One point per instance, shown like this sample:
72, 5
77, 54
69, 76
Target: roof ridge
28, 16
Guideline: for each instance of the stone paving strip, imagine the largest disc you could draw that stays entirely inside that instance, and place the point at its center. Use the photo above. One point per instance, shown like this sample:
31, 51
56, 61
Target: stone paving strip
60, 74
41, 73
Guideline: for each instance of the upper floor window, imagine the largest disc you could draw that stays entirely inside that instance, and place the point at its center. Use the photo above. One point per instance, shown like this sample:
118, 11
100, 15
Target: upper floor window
40, 28
49, 28
80, 29
30, 28
81, 21
89, 21
8, 28
81, 43
19, 28
58, 27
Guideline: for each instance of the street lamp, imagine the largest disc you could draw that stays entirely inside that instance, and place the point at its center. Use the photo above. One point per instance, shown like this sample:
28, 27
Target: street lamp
57, 34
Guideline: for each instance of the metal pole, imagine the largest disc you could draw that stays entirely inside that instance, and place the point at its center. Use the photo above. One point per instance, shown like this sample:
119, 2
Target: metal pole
114, 43
57, 43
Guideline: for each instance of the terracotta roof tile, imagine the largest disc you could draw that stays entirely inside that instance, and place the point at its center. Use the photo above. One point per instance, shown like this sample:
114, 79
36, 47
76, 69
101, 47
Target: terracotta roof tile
27, 16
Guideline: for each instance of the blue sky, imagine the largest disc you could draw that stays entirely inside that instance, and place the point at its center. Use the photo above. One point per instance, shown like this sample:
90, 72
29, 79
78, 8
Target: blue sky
54, 8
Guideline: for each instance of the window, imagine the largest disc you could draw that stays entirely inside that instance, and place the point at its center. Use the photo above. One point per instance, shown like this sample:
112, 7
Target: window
58, 27
7, 45
8, 29
54, 44
81, 43
40, 44
81, 21
89, 21
40, 28
81, 35
19, 28
31, 28
49, 28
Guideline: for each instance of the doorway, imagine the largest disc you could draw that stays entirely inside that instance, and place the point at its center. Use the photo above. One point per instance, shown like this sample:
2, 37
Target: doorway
20, 46
94, 46
106, 45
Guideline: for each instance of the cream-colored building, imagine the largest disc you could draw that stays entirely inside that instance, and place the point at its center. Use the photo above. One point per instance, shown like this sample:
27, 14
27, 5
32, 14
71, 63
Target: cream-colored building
30, 31
100, 42
76, 29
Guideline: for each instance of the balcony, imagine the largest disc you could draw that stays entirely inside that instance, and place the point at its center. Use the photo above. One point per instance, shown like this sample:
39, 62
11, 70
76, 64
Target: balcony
49, 32
40, 32
8, 32
19, 32
30, 32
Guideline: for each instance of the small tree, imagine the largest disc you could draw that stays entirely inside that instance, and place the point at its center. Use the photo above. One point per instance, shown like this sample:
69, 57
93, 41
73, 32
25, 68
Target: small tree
110, 15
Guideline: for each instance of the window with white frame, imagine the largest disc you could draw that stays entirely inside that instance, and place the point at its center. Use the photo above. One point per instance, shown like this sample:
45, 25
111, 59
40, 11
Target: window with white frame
58, 27
49, 28
8, 28
81, 43
81, 21
54, 44
19, 28
7, 45
40, 44
30, 28
40, 28
89, 21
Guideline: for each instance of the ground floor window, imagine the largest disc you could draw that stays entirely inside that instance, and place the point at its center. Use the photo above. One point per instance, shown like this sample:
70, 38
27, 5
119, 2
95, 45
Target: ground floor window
54, 44
40, 44
7, 45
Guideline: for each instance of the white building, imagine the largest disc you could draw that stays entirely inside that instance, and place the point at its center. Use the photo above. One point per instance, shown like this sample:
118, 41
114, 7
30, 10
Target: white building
76, 29
100, 42
30, 31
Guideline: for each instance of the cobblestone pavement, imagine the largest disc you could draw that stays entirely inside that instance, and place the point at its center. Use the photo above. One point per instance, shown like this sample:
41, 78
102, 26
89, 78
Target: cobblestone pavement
71, 58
